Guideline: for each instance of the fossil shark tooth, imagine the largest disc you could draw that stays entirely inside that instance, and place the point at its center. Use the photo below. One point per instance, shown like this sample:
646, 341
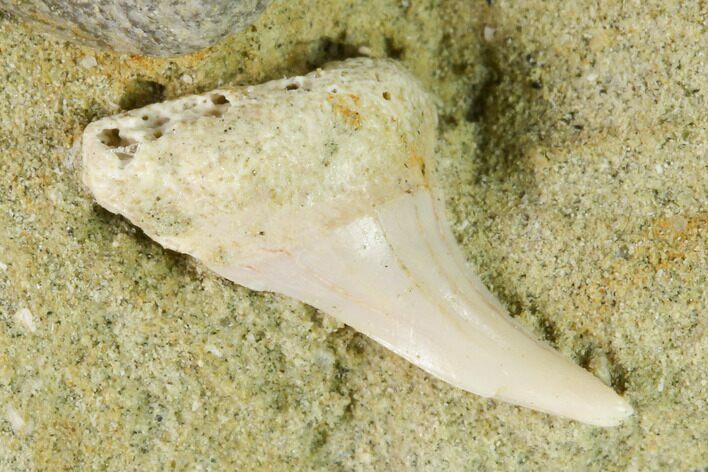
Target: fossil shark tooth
318, 187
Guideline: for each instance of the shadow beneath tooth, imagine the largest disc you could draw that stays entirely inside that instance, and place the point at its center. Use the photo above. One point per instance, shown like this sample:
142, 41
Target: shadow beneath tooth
111, 225
509, 109
139, 93
507, 115
308, 56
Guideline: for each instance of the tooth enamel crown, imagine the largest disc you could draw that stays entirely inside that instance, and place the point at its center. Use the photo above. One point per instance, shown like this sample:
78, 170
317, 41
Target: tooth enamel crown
317, 187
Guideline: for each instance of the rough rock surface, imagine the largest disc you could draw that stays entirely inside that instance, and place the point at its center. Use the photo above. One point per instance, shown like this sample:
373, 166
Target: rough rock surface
156, 28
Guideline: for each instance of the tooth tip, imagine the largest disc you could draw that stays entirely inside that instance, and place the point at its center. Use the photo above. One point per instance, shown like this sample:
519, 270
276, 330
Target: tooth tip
612, 414
623, 410
609, 410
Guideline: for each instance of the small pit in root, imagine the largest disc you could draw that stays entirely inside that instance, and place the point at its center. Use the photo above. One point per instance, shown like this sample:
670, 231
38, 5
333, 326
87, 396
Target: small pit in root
123, 148
219, 99
111, 137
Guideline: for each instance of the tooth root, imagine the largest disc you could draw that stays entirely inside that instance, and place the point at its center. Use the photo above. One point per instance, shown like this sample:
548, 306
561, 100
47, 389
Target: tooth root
398, 277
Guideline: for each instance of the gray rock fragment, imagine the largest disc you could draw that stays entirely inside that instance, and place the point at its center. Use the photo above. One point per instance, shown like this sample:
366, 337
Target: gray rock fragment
149, 27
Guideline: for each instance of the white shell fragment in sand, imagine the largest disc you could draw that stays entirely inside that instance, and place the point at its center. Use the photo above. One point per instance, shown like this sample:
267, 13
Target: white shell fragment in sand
318, 187
15, 419
25, 319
